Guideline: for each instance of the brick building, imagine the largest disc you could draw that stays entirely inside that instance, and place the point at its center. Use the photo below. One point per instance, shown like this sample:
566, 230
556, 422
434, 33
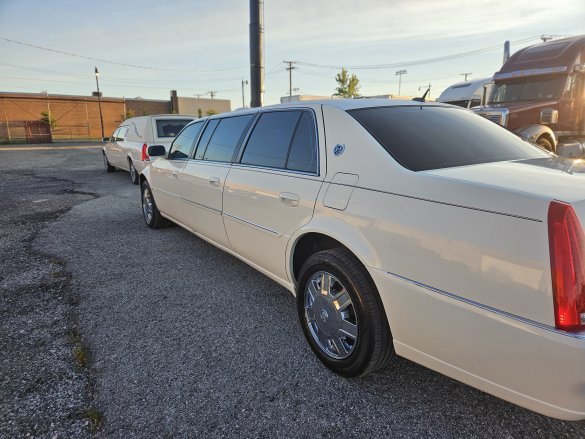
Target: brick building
78, 117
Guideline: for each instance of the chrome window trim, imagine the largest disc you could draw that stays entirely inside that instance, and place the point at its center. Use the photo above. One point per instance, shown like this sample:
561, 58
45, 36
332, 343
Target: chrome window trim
491, 309
275, 171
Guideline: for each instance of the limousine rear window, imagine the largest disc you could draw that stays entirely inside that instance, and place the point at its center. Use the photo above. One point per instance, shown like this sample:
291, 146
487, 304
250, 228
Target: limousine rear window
269, 142
426, 137
284, 140
170, 127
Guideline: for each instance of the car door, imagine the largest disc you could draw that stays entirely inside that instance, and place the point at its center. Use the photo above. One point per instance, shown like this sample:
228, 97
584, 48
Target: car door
110, 148
164, 172
203, 178
271, 192
116, 148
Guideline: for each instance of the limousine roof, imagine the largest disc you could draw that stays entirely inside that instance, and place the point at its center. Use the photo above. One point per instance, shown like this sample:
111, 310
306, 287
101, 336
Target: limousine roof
342, 104
351, 104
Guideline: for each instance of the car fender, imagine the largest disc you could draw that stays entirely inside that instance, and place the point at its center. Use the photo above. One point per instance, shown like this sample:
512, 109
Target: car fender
145, 173
333, 227
533, 132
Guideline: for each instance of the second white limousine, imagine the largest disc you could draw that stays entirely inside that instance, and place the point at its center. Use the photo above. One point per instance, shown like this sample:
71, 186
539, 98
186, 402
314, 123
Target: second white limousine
402, 228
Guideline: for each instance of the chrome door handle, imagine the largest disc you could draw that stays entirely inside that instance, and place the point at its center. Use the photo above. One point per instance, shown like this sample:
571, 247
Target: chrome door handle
214, 181
289, 199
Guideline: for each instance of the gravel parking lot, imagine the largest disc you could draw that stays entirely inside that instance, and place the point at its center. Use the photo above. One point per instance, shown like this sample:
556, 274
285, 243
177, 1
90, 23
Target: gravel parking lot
113, 329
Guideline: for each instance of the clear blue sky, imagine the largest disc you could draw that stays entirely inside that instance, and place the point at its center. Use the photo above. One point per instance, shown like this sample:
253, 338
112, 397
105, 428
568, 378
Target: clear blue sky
209, 40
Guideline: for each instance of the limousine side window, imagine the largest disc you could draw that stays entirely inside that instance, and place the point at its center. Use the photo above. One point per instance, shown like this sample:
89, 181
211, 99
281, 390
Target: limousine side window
204, 140
269, 142
285, 140
226, 137
182, 144
303, 150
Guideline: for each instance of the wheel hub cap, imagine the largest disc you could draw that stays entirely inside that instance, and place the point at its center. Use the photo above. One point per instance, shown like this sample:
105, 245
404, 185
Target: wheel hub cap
330, 315
147, 205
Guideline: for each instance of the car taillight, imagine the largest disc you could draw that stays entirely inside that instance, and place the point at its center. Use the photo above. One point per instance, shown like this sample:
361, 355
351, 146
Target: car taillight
567, 253
144, 153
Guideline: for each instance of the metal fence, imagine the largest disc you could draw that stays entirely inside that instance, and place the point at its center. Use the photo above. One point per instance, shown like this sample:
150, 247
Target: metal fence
29, 131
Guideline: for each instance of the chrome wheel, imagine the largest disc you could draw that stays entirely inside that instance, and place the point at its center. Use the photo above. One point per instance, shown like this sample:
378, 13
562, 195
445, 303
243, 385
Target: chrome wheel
147, 205
330, 315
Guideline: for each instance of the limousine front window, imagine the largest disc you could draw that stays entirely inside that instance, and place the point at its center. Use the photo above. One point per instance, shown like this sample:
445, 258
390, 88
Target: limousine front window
182, 144
427, 137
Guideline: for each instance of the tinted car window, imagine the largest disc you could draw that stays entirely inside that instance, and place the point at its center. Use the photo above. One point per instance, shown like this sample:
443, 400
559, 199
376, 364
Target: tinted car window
224, 140
182, 144
303, 150
204, 140
425, 137
269, 142
170, 127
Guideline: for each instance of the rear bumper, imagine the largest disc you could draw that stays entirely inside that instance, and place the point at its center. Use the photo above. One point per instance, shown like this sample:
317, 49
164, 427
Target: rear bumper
524, 362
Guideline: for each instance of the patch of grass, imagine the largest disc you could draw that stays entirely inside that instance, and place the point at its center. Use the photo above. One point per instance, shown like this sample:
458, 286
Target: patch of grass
95, 419
80, 356
57, 261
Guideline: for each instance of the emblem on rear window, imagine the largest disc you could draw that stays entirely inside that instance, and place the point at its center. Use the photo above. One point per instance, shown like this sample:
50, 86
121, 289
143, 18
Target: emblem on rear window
339, 148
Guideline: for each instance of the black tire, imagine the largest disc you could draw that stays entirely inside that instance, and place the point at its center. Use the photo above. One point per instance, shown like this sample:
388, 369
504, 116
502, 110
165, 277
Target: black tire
373, 348
546, 144
133, 173
107, 166
155, 220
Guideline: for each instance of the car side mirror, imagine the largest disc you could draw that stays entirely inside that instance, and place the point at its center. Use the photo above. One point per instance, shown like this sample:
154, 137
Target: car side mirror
105, 139
156, 151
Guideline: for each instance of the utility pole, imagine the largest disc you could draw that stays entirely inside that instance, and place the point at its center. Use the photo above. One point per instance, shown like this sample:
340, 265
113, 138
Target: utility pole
99, 95
399, 73
211, 94
465, 74
244, 82
256, 52
290, 68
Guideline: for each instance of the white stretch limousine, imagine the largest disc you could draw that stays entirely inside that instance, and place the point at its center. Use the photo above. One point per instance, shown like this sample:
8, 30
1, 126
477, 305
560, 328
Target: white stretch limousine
401, 227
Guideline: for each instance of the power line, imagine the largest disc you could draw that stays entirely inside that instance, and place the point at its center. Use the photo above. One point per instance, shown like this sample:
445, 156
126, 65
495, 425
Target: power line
135, 66
420, 61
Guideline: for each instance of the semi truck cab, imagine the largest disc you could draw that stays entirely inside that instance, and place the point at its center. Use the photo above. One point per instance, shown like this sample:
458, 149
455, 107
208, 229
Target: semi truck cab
539, 93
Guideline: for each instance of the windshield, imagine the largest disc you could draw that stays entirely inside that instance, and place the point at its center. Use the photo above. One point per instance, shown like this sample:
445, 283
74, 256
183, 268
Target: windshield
422, 138
527, 90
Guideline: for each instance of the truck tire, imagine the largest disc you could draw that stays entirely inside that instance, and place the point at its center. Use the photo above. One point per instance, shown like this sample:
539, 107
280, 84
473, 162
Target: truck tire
545, 143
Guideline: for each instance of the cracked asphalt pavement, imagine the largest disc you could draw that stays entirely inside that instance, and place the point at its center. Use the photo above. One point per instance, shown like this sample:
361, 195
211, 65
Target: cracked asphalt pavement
182, 340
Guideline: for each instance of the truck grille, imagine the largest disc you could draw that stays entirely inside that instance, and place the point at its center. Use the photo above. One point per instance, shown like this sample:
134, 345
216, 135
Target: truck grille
496, 116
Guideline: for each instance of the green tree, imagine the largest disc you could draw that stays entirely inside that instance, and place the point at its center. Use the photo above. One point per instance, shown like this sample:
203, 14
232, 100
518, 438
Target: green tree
199, 113
47, 117
348, 85
127, 114
211, 112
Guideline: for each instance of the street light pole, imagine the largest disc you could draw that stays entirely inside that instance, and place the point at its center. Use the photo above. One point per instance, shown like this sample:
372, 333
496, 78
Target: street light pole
97, 83
399, 73
244, 82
